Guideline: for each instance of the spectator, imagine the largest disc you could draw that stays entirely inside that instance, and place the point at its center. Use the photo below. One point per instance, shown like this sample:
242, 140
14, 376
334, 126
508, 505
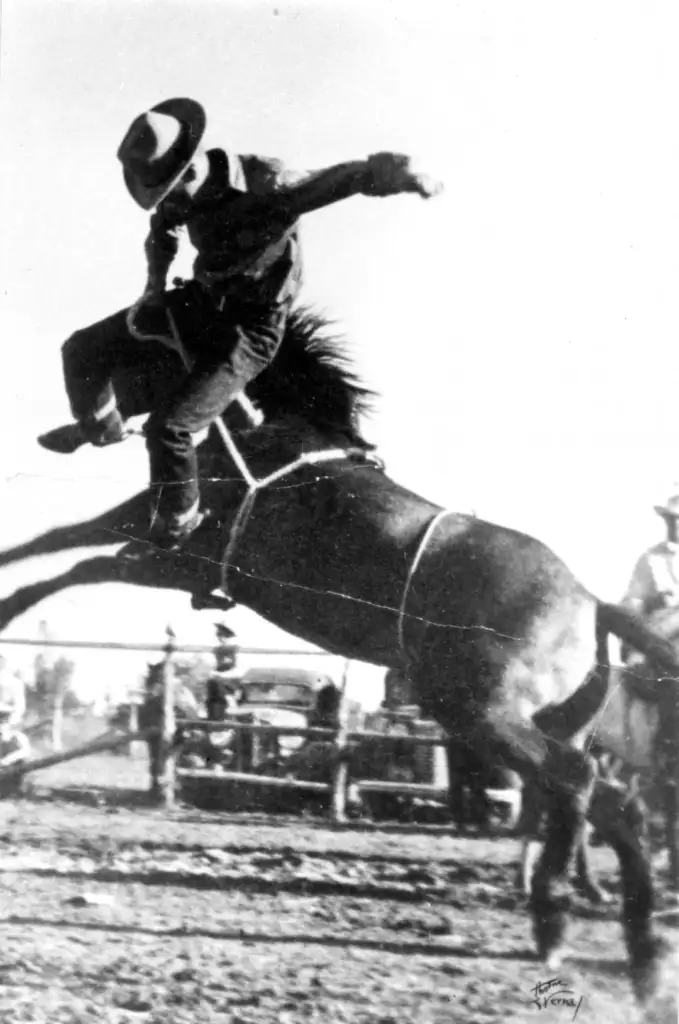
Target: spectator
12, 691
655, 579
14, 750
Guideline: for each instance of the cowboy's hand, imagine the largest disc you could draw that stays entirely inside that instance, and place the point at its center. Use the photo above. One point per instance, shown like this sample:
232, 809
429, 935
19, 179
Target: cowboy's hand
389, 174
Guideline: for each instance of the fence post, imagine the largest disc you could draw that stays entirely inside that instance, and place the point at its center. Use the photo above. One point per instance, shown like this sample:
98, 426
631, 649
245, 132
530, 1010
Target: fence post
133, 725
57, 719
168, 729
340, 774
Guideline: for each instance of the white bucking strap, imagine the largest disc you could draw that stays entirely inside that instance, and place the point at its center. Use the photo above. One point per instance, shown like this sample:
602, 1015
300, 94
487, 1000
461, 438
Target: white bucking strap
414, 565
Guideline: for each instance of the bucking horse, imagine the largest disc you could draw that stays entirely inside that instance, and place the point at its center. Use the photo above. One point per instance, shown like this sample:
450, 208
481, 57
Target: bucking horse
506, 649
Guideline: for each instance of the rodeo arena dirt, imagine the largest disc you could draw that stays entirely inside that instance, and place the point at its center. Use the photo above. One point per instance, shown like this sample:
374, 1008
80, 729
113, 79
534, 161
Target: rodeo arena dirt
245, 882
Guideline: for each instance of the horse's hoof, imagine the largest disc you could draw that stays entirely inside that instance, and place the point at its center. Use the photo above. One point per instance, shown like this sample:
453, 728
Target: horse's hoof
548, 931
651, 962
553, 960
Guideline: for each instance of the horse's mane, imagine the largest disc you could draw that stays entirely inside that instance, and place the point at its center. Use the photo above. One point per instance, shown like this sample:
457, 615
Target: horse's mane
312, 377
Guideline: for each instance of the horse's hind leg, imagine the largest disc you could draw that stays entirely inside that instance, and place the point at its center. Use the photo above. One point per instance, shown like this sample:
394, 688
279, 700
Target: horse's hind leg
500, 734
566, 779
620, 823
573, 777
583, 879
535, 803
467, 799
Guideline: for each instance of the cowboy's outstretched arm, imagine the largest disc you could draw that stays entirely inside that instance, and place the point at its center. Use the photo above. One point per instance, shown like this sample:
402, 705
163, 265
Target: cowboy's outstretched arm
383, 174
161, 247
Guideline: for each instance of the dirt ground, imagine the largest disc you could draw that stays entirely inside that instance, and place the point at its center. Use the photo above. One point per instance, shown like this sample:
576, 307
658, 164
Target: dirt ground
114, 911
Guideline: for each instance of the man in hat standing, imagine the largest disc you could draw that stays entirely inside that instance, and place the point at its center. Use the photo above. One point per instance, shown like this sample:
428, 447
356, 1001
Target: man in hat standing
241, 214
12, 691
655, 579
14, 750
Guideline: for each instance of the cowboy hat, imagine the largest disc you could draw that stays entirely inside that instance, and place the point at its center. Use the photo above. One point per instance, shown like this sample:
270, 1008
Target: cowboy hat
670, 508
158, 147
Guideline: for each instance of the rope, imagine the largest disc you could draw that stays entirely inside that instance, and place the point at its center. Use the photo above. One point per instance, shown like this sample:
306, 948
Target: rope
254, 485
244, 512
414, 565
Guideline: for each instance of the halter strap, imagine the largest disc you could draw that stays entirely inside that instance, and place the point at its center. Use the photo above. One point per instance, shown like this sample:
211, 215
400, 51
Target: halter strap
254, 486
414, 565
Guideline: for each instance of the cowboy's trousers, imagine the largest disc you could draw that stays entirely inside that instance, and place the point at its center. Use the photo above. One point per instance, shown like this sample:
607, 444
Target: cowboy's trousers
104, 364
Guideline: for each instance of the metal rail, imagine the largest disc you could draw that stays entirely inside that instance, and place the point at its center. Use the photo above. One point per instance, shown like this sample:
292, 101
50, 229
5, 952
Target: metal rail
114, 645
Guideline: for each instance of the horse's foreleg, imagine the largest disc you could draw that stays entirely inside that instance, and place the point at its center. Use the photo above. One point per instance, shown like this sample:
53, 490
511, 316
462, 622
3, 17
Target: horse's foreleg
121, 524
102, 569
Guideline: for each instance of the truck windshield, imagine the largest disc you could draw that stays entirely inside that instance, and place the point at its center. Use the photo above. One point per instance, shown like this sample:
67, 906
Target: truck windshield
276, 693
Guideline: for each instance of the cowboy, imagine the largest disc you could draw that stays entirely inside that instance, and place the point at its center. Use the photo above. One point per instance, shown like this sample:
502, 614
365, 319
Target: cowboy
241, 214
655, 579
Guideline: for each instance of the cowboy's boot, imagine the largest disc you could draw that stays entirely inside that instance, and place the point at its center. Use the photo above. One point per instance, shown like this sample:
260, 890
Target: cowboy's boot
90, 430
172, 531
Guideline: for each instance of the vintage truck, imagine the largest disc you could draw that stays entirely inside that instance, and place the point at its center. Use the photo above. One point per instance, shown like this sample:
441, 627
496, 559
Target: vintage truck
274, 696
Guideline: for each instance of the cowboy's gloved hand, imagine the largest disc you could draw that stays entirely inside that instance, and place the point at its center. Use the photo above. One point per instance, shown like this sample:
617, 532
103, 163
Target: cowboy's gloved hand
389, 174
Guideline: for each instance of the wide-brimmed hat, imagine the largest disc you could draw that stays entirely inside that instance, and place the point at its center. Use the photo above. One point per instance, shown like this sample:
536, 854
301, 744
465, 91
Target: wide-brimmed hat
158, 147
670, 507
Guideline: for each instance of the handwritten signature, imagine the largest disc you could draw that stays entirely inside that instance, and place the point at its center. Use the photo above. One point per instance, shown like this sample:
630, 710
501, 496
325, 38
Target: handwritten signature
555, 992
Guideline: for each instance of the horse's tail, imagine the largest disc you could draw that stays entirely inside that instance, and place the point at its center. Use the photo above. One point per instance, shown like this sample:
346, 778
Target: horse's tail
661, 653
630, 627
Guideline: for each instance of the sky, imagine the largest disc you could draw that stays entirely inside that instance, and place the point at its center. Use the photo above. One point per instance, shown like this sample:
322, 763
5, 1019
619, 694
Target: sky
521, 328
